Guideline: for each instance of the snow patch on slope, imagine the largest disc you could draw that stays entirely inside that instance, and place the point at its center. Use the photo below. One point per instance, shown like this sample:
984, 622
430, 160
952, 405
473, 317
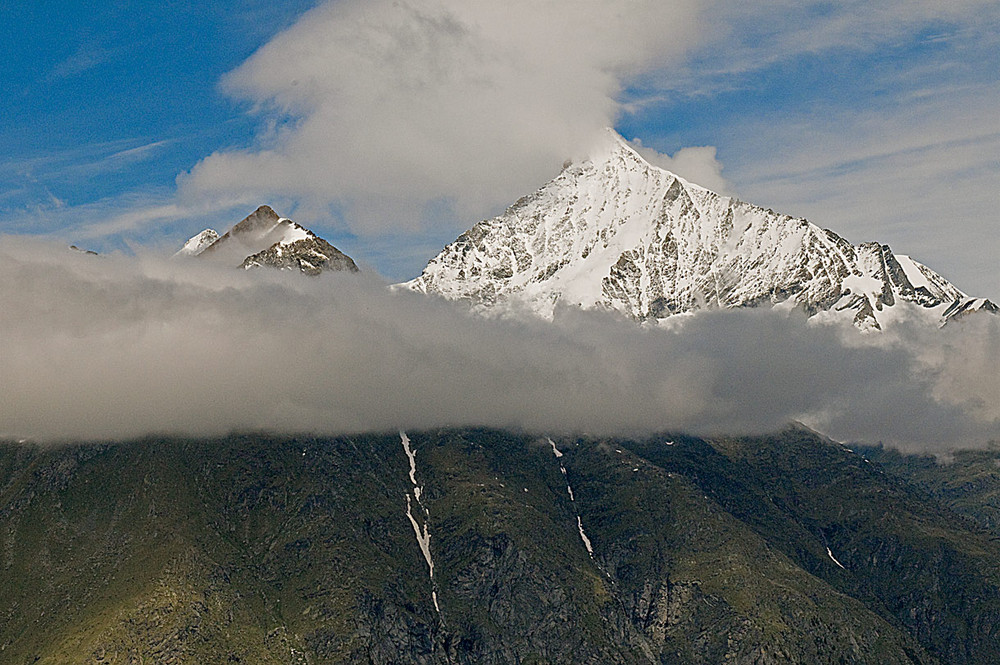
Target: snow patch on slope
422, 532
569, 490
829, 553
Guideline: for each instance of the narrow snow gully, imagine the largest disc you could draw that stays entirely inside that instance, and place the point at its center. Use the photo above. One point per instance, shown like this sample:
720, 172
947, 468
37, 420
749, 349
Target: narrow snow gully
422, 532
569, 490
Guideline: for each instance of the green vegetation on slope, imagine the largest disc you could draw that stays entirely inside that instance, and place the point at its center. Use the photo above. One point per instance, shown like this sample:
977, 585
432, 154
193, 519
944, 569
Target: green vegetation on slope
298, 549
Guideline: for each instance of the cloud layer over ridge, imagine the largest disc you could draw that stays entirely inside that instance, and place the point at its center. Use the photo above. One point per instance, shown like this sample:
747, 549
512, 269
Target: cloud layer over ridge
98, 347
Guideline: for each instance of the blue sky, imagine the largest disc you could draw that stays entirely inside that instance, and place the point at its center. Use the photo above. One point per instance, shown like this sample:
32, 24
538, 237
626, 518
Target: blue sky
109, 101
391, 127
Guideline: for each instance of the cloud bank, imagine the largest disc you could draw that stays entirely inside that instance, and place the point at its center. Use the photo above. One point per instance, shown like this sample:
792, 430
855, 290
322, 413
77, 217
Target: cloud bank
115, 347
385, 107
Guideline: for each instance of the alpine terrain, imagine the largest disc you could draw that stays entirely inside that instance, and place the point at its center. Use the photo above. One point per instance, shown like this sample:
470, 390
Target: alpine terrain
264, 238
615, 232
462, 546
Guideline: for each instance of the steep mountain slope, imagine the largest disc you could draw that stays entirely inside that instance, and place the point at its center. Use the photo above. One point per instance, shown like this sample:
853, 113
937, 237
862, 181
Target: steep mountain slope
264, 238
615, 232
256, 548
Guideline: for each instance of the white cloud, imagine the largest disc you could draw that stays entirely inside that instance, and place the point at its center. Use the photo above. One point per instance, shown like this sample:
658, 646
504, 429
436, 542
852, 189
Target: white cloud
88, 55
397, 104
115, 347
132, 219
697, 164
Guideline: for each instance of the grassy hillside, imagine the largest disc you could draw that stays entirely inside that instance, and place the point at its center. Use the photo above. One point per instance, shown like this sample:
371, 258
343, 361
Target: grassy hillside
283, 549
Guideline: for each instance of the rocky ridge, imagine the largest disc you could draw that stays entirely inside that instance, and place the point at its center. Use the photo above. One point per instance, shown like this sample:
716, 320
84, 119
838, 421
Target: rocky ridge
614, 232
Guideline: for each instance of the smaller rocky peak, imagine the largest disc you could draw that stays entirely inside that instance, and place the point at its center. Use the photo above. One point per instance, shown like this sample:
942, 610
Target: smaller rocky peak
264, 238
255, 232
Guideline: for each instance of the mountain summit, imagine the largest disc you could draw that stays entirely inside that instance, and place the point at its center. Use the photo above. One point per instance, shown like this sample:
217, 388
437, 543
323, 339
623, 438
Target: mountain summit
617, 233
264, 238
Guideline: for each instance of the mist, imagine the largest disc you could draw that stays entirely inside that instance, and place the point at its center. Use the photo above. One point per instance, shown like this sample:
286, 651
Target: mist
113, 347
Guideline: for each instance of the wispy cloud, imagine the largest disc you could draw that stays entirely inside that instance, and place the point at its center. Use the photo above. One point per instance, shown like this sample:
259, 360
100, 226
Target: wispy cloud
88, 56
138, 153
746, 38
29, 186
138, 214
79, 161
132, 219
884, 157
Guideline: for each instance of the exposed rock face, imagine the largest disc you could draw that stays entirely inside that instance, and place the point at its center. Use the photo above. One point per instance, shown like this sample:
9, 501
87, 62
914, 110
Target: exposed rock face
615, 232
264, 238
310, 255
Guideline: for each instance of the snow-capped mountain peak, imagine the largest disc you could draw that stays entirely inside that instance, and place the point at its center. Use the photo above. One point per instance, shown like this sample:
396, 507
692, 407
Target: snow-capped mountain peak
616, 232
